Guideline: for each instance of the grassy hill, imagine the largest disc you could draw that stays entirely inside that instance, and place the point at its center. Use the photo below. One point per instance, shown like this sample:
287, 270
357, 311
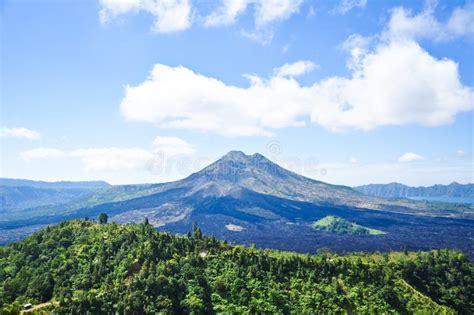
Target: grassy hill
82, 266
341, 226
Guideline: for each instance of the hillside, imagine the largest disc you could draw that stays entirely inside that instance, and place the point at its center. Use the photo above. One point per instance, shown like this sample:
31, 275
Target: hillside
397, 190
341, 226
81, 266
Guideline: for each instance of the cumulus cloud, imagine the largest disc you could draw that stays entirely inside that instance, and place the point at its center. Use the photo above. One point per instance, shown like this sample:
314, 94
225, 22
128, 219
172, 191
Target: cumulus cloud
404, 24
22, 133
170, 15
394, 83
266, 11
397, 83
410, 157
42, 153
347, 5
177, 97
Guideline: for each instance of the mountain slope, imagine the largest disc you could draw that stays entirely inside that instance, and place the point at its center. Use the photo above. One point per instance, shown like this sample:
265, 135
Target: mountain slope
81, 267
237, 171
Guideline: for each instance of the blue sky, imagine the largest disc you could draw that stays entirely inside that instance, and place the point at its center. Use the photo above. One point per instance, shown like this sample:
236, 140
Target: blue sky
348, 92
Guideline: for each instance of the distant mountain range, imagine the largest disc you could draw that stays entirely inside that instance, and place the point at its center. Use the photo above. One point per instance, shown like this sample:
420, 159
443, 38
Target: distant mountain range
20, 194
249, 199
397, 190
87, 185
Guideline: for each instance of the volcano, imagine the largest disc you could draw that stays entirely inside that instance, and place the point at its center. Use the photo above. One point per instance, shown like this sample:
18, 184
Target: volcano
250, 199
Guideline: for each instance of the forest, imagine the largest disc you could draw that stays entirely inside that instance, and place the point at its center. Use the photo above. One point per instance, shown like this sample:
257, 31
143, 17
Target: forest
84, 266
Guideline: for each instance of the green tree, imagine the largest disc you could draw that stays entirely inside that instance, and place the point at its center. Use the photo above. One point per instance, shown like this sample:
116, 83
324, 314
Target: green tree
103, 218
197, 234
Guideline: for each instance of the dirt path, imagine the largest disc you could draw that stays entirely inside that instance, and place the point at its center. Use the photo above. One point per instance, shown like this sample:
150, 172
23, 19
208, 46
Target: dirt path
38, 307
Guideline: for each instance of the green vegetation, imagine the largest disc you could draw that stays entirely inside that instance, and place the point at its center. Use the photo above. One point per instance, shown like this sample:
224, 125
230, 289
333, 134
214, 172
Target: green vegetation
341, 226
80, 267
103, 218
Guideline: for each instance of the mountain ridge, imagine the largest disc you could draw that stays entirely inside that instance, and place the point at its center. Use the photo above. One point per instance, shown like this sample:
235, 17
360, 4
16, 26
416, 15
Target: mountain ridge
398, 190
17, 182
21, 194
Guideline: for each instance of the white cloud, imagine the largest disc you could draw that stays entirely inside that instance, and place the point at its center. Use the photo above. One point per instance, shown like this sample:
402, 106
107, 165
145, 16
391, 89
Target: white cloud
20, 133
295, 69
461, 21
177, 97
395, 83
112, 159
358, 46
170, 15
347, 5
269, 11
353, 160
176, 15
42, 153
410, 157
226, 13
172, 146
404, 24
266, 11
392, 81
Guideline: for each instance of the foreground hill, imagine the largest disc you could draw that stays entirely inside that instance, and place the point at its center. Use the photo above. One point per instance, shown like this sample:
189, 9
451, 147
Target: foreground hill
397, 190
81, 266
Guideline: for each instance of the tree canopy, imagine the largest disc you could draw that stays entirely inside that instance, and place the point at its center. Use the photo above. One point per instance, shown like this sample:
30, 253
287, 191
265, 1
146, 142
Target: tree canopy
84, 266
103, 218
